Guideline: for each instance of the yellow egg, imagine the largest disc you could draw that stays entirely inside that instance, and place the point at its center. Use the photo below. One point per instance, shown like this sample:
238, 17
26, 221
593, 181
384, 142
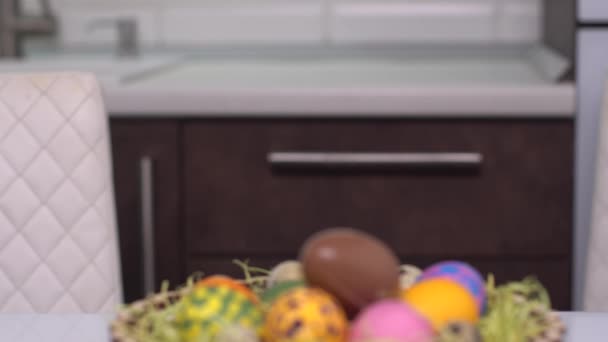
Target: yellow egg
212, 307
442, 300
305, 314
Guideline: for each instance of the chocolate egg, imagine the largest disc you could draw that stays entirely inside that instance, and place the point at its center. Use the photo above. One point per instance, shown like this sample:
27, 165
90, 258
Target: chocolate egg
358, 269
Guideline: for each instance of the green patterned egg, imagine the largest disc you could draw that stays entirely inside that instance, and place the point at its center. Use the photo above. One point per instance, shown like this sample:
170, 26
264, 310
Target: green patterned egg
211, 307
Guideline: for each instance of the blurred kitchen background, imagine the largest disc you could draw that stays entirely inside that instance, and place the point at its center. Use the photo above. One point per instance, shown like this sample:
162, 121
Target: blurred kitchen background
204, 96
193, 24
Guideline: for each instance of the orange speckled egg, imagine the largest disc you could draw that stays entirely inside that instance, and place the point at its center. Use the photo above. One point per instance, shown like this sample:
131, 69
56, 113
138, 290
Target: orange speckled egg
304, 315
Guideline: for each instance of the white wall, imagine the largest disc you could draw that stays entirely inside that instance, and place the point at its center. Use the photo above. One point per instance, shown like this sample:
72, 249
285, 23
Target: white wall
212, 22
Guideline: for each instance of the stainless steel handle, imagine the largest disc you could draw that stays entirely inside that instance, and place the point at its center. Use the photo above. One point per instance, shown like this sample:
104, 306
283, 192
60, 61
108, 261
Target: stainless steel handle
375, 159
146, 170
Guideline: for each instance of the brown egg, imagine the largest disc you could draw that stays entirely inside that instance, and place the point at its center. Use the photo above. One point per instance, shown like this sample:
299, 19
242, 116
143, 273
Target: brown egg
356, 268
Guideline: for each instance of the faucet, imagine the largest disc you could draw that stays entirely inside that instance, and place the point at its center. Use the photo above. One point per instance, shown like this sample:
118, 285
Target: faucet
14, 27
127, 34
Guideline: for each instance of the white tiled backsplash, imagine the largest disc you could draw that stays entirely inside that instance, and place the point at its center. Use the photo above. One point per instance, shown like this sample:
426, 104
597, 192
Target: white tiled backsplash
205, 22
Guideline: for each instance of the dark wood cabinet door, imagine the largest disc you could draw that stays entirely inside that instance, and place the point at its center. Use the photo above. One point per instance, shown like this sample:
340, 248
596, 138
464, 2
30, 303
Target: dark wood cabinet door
132, 142
518, 202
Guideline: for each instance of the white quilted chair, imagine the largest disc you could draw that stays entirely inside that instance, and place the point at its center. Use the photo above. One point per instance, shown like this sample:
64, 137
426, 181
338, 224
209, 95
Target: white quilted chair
58, 243
596, 280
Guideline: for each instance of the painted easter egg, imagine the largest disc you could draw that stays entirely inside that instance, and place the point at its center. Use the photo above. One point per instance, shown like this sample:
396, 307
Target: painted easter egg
236, 333
442, 300
408, 276
390, 320
353, 266
305, 314
459, 332
213, 305
462, 273
290, 270
220, 280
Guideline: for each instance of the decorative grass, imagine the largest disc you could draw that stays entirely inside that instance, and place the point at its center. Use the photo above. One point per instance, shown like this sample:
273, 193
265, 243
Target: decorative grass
516, 311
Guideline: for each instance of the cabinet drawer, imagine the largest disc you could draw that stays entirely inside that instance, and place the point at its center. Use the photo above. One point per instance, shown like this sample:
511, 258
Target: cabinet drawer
554, 273
517, 201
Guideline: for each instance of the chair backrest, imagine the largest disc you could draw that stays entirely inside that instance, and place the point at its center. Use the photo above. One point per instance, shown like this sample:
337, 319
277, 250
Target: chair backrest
596, 278
58, 238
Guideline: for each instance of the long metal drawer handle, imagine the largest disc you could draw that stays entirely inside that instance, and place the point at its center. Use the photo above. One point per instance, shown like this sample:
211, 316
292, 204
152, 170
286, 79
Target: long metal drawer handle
374, 159
146, 170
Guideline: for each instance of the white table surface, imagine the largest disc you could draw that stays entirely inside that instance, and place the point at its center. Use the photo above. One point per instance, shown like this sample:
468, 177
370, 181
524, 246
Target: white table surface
54, 328
582, 327
586, 327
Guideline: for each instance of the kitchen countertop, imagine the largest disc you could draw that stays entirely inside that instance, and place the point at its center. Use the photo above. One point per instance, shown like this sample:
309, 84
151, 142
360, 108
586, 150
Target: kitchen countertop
582, 327
532, 102
415, 83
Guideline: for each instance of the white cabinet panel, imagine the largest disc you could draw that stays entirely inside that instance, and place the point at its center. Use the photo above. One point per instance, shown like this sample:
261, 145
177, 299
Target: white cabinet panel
592, 66
593, 10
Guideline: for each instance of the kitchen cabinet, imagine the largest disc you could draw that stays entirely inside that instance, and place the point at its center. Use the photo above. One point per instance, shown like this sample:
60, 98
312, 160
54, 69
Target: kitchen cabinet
510, 203
507, 211
147, 149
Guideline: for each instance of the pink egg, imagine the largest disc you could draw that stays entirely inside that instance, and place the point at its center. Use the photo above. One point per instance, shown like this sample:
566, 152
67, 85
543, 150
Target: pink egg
390, 320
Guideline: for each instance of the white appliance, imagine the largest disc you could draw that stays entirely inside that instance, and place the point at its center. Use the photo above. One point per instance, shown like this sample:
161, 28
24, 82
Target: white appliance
592, 77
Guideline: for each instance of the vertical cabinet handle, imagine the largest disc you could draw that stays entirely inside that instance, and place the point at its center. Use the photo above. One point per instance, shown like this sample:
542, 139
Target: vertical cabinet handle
146, 173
